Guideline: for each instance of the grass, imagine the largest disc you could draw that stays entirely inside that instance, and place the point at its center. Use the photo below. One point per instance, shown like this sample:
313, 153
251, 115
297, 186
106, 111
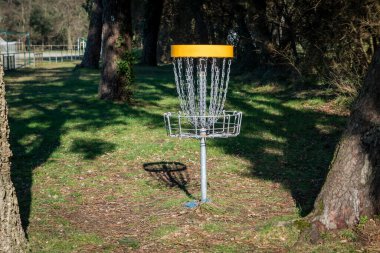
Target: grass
79, 166
130, 242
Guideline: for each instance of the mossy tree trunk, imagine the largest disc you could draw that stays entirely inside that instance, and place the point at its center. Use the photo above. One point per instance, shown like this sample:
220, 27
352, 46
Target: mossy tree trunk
94, 37
12, 237
116, 74
153, 12
352, 187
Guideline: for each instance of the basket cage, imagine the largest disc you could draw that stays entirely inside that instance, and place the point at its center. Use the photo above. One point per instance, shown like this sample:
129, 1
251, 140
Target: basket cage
225, 125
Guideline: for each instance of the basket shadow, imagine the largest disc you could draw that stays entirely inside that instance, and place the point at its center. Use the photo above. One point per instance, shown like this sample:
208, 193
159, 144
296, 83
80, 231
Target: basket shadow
171, 174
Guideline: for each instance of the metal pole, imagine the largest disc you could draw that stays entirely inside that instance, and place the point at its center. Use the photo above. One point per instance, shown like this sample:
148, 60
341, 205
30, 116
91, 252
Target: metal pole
203, 168
29, 49
7, 51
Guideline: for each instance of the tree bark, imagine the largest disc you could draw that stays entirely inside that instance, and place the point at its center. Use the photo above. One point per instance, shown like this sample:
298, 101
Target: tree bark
153, 12
352, 187
12, 237
69, 39
94, 38
117, 43
262, 30
200, 22
262, 21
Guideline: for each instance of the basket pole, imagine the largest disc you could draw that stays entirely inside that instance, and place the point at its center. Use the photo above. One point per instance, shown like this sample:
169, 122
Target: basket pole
203, 168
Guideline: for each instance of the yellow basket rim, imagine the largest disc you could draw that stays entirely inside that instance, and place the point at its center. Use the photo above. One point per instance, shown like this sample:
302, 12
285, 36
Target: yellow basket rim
195, 51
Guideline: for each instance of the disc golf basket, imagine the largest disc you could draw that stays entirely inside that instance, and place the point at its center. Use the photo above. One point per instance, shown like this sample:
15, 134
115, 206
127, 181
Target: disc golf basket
202, 74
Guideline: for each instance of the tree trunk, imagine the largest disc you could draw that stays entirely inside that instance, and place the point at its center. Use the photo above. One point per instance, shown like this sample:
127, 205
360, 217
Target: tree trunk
69, 39
262, 30
153, 12
246, 56
94, 38
116, 71
200, 22
12, 237
352, 187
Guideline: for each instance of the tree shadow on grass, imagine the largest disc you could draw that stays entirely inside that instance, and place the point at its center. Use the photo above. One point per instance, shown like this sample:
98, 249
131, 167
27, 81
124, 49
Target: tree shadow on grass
91, 148
40, 109
283, 142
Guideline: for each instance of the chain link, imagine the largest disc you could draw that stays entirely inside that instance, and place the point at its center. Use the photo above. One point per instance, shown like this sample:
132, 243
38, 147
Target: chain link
194, 96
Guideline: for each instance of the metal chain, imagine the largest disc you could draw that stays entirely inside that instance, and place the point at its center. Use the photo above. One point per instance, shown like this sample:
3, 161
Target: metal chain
194, 96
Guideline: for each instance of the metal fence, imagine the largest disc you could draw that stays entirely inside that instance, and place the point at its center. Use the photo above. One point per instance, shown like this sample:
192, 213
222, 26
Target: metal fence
16, 60
34, 55
59, 53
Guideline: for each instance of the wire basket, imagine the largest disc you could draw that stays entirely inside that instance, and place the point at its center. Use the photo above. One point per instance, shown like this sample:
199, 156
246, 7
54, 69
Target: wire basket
224, 125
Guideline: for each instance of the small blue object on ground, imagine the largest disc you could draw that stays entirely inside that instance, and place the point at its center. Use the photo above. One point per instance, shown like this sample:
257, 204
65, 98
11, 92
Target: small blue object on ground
191, 204
194, 203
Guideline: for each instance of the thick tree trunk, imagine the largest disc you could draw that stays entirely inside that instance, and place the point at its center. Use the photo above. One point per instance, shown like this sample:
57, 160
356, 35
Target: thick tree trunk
200, 21
153, 12
262, 30
246, 55
262, 21
12, 238
117, 43
94, 38
352, 187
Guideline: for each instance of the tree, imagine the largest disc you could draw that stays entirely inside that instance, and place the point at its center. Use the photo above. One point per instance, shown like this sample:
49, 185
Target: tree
12, 238
41, 23
71, 25
198, 12
117, 69
94, 38
49, 24
352, 187
153, 12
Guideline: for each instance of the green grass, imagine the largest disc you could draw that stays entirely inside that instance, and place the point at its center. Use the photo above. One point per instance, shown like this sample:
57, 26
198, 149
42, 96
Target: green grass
214, 227
78, 165
228, 248
164, 230
130, 242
